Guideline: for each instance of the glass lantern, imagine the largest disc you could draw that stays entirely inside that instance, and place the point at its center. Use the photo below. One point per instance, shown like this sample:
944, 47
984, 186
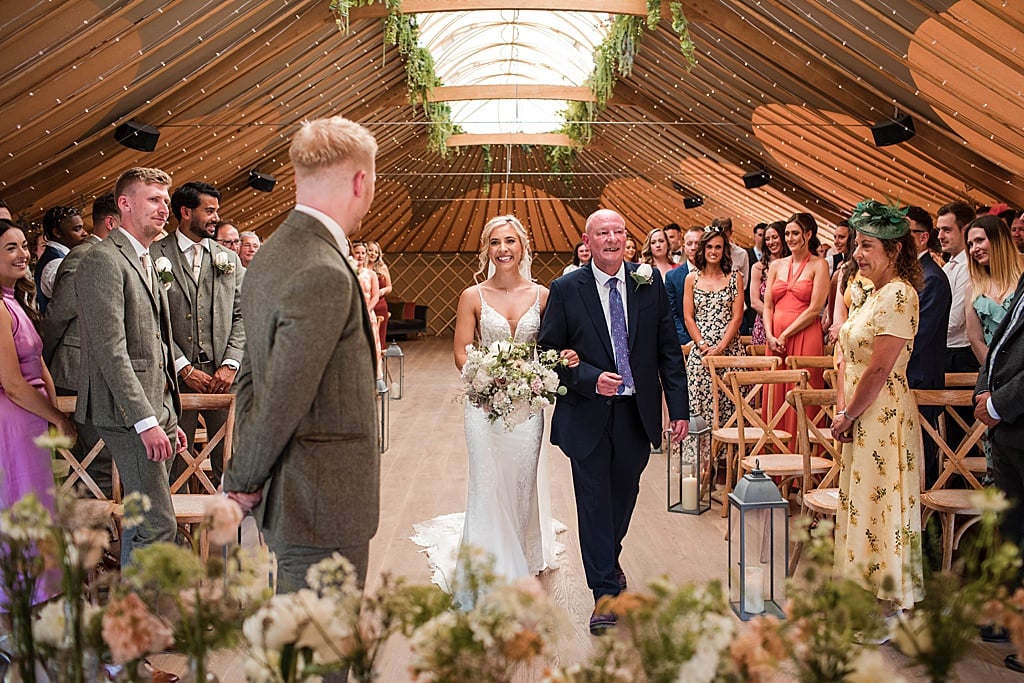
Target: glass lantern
758, 546
394, 368
384, 413
689, 469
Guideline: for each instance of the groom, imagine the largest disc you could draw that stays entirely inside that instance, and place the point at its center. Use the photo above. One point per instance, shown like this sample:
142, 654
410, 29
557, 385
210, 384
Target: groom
620, 323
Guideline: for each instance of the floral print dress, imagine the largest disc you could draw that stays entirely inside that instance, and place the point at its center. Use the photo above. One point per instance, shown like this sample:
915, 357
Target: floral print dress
712, 311
878, 524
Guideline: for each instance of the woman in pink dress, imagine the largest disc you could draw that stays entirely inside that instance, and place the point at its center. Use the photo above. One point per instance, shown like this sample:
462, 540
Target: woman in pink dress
774, 248
26, 389
375, 262
795, 293
371, 292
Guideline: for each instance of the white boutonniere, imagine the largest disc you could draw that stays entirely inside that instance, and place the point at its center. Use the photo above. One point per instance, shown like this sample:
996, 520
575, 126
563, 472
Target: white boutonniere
222, 263
163, 271
643, 275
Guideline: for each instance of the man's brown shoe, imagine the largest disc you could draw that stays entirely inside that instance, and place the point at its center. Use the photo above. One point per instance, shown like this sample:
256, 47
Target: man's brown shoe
159, 676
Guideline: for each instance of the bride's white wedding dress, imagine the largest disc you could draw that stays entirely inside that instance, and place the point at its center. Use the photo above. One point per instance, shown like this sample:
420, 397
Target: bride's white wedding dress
508, 508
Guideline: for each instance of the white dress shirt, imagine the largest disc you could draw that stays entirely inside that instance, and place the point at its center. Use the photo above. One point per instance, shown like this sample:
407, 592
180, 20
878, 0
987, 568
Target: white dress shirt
959, 280
601, 279
740, 262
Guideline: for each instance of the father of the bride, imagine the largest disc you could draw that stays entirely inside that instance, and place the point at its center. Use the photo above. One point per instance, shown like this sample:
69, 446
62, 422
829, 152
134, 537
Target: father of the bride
620, 323
306, 448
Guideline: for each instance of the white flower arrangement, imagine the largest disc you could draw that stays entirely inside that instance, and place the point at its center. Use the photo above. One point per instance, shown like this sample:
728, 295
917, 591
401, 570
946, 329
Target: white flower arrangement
643, 275
511, 381
163, 271
222, 263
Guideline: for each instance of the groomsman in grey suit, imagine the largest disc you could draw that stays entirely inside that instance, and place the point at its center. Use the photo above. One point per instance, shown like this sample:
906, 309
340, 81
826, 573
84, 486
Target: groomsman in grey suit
59, 330
127, 390
306, 452
205, 300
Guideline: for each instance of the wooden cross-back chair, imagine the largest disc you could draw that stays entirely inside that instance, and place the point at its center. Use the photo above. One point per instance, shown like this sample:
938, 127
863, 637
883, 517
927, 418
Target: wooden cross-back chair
955, 464
189, 507
826, 364
770, 450
961, 380
724, 435
819, 497
79, 480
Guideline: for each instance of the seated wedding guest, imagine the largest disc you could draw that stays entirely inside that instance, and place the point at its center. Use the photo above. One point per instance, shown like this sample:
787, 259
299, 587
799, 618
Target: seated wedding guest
713, 309
675, 281
994, 266
951, 223
27, 395
227, 236
250, 244
631, 251
655, 252
674, 235
375, 261
878, 524
926, 368
580, 257
774, 247
795, 293
64, 229
1017, 231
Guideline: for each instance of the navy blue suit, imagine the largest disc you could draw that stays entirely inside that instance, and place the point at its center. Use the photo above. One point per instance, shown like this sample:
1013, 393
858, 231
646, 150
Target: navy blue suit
675, 283
609, 439
49, 254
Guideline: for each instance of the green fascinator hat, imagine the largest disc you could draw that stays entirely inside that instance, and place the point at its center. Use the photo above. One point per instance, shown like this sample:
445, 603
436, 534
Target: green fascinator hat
881, 221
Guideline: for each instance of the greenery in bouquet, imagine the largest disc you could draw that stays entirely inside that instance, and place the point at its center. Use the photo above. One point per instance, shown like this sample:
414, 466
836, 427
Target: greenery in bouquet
944, 626
199, 603
332, 625
511, 381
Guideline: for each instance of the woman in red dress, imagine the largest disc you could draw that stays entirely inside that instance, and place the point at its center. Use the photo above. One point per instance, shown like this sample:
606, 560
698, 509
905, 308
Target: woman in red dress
796, 291
375, 262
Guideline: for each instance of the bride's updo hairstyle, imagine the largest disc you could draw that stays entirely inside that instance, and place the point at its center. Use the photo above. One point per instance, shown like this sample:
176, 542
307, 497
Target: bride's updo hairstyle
524, 240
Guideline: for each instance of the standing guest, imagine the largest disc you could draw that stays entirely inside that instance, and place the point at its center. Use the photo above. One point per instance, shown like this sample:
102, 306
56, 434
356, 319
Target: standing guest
775, 247
127, 392
1017, 230
205, 300
843, 251
580, 257
369, 284
674, 235
675, 282
37, 245
878, 524
755, 252
5, 211
306, 452
713, 308
632, 251
227, 236
620, 326
794, 295
926, 368
655, 252
952, 220
250, 244
27, 395
64, 229
375, 261
740, 260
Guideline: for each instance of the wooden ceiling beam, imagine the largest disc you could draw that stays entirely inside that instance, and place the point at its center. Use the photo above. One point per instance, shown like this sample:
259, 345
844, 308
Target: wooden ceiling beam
379, 9
471, 139
450, 93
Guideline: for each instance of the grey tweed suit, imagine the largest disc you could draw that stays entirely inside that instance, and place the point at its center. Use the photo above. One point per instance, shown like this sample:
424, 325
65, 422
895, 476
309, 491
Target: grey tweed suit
127, 373
59, 327
306, 432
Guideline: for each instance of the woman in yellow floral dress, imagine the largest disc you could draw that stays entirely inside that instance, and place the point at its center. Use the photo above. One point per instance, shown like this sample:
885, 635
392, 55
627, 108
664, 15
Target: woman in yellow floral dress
878, 524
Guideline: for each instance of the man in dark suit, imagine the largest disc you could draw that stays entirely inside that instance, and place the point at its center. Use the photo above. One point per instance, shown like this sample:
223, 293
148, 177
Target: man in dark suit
926, 369
127, 393
59, 330
675, 282
620, 325
306, 448
206, 308
998, 404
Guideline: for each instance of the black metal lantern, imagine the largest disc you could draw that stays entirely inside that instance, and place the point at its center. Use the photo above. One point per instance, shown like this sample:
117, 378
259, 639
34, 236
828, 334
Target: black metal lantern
394, 369
758, 546
689, 469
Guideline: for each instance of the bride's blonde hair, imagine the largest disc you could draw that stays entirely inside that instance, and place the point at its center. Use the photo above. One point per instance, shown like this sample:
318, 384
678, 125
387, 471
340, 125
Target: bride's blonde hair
524, 239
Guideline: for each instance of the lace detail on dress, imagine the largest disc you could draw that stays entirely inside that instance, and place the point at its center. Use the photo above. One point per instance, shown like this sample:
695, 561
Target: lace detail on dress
495, 327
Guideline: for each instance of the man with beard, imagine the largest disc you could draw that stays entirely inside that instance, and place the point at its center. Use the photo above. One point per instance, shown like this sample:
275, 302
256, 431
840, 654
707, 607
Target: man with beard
205, 305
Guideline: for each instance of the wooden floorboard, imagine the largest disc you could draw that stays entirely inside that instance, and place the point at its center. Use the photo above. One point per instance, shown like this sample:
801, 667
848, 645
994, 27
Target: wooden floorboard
423, 474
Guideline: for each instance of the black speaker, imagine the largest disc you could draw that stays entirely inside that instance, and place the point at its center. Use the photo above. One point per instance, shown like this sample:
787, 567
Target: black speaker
893, 132
756, 179
138, 136
263, 182
692, 202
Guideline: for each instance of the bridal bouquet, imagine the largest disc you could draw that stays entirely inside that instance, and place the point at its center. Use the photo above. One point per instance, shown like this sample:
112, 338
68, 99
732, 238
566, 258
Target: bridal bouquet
511, 381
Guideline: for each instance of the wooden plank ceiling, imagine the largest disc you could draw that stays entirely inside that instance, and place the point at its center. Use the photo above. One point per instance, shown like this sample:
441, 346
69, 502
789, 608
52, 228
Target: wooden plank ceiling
790, 86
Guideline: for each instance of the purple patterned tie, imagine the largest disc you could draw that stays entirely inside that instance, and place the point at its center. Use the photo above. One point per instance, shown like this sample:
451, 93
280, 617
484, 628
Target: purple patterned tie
620, 341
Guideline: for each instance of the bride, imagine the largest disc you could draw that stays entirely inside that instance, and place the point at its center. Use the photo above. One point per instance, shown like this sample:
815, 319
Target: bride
508, 504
